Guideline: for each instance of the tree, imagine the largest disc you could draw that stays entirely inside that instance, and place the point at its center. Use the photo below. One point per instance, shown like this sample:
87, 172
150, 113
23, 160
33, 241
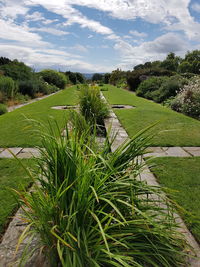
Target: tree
79, 77
4, 60
184, 67
192, 56
97, 77
106, 77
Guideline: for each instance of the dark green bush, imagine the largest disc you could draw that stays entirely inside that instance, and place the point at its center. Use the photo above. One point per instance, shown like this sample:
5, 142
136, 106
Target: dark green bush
134, 78
29, 87
17, 71
7, 87
54, 77
148, 87
170, 88
3, 109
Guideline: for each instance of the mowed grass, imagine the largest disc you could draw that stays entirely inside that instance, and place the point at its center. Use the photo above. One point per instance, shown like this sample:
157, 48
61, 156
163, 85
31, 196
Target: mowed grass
12, 176
174, 129
182, 175
16, 130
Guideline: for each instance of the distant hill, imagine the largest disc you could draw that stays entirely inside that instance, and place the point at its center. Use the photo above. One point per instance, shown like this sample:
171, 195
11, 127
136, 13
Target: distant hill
89, 75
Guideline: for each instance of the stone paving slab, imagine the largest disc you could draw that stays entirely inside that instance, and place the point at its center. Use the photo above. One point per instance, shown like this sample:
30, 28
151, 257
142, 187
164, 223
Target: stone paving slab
194, 151
9, 257
29, 153
6, 154
177, 152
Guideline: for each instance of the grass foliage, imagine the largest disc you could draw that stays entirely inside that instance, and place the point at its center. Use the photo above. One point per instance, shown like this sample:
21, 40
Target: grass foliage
90, 210
92, 106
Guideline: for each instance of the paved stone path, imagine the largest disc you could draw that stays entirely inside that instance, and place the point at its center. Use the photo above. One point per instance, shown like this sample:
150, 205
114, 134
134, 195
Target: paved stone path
121, 136
29, 102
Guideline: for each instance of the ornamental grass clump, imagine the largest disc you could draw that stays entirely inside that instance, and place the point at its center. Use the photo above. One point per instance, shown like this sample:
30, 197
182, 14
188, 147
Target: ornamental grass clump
90, 208
92, 106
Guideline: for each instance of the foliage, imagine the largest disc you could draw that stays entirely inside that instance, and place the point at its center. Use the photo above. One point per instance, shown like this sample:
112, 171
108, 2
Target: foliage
92, 106
8, 87
188, 99
75, 77
3, 109
106, 78
17, 70
184, 67
33, 87
117, 76
54, 77
150, 86
134, 78
4, 60
171, 62
97, 77
90, 209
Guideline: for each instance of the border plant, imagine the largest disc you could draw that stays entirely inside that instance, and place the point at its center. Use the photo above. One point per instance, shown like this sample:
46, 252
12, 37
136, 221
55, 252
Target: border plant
91, 210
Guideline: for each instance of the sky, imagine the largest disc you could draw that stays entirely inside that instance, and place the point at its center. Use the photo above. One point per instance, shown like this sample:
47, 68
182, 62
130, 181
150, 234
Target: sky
97, 35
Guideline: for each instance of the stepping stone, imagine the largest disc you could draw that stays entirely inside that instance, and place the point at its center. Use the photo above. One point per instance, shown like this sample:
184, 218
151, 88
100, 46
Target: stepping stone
155, 152
29, 153
177, 152
194, 151
6, 154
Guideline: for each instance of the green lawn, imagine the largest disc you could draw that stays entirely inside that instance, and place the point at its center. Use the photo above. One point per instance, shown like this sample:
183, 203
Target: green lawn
15, 130
12, 175
174, 129
182, 175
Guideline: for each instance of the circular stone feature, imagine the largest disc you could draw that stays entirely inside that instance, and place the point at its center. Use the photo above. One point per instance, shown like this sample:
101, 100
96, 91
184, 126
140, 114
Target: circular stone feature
122, 106
65, 107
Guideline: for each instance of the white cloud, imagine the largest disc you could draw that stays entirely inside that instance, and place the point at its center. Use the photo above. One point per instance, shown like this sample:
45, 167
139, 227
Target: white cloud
50, 30
138, 34
22, 34
79, 48
150, 51
35, 16
49, 59
196, 7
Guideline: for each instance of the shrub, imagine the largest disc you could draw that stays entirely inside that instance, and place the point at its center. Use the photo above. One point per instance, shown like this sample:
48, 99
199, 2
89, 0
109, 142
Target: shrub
90, 210
188, 99
148, 87
7, 87
29, 87
54, 77
92, 106
170, 88
17, 71
135, 77
3, 109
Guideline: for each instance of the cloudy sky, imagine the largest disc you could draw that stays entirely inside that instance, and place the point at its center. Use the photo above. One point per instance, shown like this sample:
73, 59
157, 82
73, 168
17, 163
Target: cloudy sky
97, 35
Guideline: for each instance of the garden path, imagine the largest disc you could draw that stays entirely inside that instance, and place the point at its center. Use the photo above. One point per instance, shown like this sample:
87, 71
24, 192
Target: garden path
29, 102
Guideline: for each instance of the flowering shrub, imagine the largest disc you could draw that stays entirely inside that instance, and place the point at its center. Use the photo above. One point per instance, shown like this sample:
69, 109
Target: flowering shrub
188, 99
